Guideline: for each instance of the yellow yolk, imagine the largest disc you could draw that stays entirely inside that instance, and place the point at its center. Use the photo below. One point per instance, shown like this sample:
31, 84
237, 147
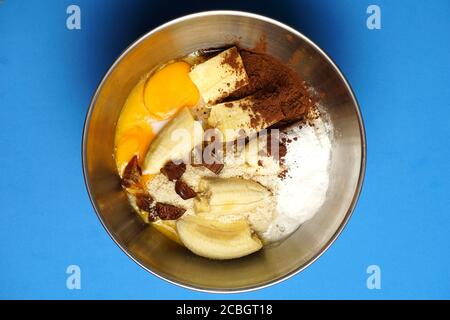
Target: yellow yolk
145, 179
133, 131
170, 89
157, 98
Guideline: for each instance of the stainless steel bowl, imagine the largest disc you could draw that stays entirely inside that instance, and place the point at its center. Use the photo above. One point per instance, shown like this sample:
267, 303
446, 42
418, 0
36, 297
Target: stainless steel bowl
153, 251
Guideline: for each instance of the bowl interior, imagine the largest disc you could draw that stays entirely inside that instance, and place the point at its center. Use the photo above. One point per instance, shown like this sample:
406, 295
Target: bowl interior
154, 251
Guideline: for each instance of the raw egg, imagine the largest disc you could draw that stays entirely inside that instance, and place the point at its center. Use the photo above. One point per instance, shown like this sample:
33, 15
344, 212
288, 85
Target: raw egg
152, 102
170, 89
133, 131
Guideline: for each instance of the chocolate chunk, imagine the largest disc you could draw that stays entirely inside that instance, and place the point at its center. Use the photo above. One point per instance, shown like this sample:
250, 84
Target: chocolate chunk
214, 167
209, 161
131, 174
168, 212
152, 216
144, 201
183, 190
173, 171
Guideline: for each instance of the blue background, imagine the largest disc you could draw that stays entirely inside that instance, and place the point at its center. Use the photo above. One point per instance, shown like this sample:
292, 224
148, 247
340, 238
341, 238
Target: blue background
401, 76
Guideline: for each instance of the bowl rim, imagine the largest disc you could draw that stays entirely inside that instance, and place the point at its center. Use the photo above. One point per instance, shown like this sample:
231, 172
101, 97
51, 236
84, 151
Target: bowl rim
362, 132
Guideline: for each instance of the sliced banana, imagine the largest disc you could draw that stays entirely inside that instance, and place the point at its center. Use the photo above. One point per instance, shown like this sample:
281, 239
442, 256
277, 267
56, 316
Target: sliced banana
217, 239
229, 196
219, 76
234, 119
174, 142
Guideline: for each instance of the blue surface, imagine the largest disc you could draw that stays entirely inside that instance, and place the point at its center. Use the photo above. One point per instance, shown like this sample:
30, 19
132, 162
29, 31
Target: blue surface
401, 76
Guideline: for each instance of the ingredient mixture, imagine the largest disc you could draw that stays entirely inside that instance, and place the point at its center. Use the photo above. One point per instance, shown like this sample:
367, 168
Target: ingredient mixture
223, 153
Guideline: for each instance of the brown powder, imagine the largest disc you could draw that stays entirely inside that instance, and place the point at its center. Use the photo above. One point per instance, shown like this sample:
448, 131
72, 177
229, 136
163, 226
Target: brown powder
241, 83
232, 59
283, 174
280, 95
282, 150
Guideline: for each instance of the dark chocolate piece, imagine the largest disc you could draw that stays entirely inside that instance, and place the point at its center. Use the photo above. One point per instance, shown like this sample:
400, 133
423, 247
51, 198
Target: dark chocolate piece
168, 212
144, 201
214, 167
173, 171
184, 190
131, 174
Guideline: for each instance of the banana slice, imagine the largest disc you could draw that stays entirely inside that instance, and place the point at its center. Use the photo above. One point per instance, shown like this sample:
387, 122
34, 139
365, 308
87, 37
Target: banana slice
216, 239
234, 119
229, 196
240, 118
219, 76
174, 141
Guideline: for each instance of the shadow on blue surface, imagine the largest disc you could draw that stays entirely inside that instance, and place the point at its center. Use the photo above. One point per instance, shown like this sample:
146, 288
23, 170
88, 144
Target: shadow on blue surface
122, 24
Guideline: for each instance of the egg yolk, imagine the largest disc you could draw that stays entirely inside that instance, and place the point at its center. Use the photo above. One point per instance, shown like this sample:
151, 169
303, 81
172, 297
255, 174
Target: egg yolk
154, 99
170, 89
133, 131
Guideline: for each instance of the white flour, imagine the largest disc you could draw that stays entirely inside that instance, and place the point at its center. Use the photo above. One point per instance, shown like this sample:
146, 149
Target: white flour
303, 191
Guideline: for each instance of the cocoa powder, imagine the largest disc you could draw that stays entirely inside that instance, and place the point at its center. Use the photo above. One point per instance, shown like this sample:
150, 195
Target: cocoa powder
280, 94
232, 59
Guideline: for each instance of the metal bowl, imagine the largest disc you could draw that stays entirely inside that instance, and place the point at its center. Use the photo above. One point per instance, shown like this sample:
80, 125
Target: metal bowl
159, 255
